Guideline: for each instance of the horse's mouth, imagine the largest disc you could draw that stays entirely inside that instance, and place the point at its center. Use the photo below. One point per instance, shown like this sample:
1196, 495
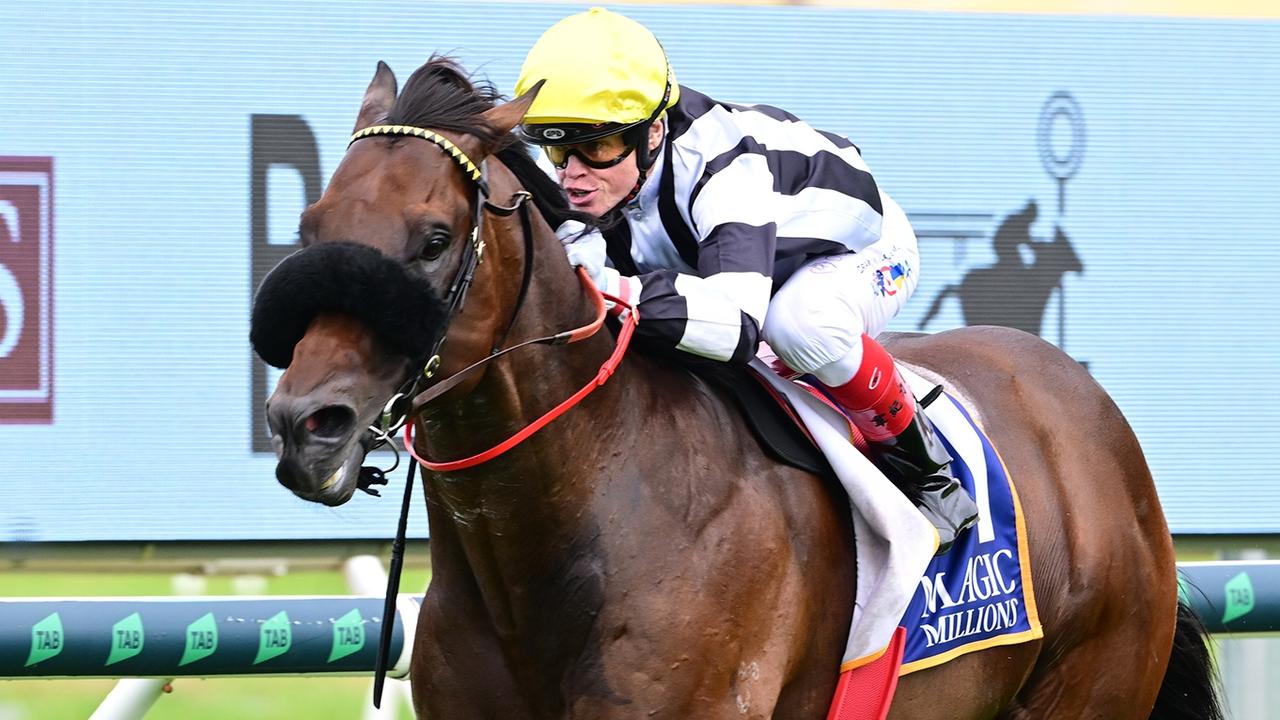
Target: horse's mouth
323, 481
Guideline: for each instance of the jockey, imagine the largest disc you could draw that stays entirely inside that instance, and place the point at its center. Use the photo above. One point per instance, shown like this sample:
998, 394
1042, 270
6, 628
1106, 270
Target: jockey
743, 224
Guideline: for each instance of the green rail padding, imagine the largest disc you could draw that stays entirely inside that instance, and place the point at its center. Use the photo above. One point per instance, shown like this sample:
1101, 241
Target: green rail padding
193, 637
206, 637
1234, 597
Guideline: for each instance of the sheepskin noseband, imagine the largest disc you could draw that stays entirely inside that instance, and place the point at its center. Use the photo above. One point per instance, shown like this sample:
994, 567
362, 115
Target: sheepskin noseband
350, 279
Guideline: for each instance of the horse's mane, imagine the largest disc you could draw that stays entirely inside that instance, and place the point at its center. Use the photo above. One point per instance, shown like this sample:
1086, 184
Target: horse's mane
441, 95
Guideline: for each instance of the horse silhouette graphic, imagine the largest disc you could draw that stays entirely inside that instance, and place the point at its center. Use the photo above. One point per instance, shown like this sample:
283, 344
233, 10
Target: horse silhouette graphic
1015, 291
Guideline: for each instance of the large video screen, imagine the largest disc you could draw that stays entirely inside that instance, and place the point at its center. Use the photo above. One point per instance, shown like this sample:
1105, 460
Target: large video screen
1107, 183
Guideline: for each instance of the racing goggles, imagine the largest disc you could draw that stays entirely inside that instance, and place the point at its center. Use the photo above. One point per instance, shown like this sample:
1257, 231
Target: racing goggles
600, 153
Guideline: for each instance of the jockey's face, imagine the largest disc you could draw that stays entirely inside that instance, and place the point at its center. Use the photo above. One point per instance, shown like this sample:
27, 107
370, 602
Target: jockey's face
596, 190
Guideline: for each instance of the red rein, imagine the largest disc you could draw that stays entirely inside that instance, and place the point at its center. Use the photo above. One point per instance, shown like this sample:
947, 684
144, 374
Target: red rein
624, 339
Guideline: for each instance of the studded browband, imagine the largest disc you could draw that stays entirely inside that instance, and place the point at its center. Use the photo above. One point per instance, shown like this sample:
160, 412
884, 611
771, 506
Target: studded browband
470, 168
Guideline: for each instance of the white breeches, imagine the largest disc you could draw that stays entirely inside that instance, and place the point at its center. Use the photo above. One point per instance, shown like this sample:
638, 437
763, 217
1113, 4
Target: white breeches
816, 320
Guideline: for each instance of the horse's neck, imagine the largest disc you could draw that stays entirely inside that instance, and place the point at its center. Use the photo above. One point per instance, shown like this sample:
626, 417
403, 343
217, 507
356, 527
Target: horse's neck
515, 519
513, 516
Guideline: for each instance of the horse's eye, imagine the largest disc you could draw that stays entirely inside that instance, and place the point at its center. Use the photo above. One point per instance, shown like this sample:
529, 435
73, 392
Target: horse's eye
435, 245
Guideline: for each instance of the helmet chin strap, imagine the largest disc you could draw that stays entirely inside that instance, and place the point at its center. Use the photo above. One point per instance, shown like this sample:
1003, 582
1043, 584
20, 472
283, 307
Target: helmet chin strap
644, 162
635, 190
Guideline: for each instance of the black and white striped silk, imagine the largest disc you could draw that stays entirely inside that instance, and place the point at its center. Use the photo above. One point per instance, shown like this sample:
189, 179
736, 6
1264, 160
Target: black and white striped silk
740, 197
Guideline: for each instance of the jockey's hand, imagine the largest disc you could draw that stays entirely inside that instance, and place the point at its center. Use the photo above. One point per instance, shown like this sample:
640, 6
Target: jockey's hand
585, 250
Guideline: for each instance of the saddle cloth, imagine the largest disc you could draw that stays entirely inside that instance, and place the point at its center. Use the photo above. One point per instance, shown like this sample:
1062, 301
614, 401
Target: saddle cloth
978, 595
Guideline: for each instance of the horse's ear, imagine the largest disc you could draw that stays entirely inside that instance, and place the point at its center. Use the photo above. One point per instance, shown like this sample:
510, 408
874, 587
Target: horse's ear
378, 97
505, 117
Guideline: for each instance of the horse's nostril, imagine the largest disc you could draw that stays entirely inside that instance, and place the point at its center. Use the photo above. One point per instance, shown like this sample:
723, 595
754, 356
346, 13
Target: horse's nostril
332, 421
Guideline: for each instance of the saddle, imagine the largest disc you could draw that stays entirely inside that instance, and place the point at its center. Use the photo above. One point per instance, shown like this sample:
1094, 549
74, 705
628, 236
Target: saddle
772, 419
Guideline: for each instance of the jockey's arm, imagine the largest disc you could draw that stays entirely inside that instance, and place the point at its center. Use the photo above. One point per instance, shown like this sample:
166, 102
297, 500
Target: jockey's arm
715, 314
719, 312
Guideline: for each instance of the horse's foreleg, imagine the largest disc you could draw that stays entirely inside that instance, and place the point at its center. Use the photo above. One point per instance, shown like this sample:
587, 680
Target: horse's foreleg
687, 651
750, 701
459, 672
680, 675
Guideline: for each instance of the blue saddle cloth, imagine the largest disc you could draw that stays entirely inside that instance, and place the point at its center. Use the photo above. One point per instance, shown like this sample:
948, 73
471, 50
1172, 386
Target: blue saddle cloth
978, 594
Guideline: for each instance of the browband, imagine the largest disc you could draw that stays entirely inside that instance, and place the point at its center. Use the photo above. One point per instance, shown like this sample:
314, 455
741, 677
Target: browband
470, 168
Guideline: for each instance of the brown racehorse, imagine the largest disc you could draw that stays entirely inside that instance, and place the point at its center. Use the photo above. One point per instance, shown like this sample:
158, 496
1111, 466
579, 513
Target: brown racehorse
641, 557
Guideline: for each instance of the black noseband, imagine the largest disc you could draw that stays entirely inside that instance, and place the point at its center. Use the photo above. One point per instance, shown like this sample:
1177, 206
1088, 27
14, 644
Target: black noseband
348, 279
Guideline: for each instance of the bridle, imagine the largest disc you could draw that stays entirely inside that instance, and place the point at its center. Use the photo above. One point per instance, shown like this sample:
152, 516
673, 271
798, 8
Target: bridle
414, 394
397, 411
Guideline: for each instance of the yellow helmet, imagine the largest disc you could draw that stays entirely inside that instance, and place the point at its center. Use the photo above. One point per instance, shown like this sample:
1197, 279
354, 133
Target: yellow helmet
604, 73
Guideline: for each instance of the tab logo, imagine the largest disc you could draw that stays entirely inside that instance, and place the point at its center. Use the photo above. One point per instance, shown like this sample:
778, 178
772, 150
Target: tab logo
26, 290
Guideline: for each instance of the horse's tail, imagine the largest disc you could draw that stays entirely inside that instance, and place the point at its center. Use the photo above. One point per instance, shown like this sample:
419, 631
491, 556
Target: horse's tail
1190, 687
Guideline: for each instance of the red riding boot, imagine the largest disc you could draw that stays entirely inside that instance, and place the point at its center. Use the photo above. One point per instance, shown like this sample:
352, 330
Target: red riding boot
904, 444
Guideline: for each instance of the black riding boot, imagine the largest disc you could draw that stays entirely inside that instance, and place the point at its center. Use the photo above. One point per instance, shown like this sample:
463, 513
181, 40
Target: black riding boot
916, 461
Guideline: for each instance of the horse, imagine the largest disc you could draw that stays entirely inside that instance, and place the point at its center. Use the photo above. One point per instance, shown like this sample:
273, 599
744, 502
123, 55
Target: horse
641, 556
